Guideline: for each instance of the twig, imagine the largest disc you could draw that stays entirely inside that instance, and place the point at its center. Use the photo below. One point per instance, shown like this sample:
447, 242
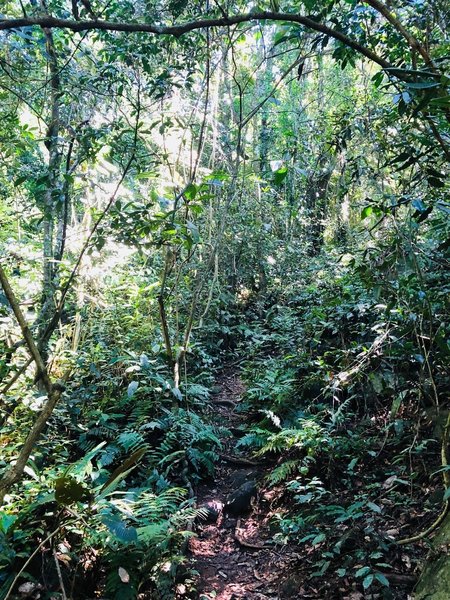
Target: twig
58, 570
25, 331
27, 562
54, 391
16, 376
224, 401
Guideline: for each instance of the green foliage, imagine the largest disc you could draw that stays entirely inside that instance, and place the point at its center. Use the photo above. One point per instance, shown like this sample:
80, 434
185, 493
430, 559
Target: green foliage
190, 203
189, 441
306, 438
136, 529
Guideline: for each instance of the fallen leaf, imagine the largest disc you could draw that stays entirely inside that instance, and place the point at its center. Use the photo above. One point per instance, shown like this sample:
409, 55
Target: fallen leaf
27, 588
124, 575
406, 560
389, 482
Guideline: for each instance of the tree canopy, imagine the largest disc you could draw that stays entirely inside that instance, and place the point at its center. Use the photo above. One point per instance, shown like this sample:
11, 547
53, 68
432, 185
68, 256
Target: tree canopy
195, 195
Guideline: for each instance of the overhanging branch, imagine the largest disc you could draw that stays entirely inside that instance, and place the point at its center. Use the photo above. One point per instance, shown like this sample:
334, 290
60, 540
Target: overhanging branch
178, 30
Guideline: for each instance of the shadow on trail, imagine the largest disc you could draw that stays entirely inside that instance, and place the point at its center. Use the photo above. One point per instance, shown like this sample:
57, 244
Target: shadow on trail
233, 551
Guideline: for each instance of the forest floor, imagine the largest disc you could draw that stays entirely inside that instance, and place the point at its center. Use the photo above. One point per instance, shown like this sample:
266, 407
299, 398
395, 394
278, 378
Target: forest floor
233, 553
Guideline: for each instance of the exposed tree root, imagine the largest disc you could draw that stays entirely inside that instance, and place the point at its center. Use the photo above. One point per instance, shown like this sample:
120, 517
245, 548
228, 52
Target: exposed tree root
426, 533
238, 460
225, 402
244, 543
446, 478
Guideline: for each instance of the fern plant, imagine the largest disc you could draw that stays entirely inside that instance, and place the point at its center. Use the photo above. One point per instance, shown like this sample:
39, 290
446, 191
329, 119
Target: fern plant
134, 530
309, 436
188, 440
299, 444
146, 533
284, 471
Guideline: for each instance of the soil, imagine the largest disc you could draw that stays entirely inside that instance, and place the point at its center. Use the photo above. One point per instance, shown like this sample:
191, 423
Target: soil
234, 555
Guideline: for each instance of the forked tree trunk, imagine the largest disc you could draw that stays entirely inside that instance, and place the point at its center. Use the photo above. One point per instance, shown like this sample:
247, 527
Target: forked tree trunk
15, 472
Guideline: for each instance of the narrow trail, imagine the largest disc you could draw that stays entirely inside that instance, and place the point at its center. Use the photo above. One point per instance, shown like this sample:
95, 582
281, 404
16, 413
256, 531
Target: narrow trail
233, 551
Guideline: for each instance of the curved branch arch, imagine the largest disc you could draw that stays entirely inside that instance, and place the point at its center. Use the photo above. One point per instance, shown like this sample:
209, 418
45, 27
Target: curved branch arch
178, 30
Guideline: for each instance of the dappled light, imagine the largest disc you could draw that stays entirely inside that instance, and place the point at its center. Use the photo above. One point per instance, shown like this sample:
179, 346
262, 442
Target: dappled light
224, 300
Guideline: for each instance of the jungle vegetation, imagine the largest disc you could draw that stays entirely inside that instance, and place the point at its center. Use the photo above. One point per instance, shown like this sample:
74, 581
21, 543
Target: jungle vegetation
186, 186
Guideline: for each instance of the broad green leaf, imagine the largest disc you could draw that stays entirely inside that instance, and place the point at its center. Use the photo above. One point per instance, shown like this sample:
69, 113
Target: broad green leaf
423, 85
122, 531
435, 182
382, 579
68, 490
280, 175
423, 215
190, 192
424, 73
122, 470
374, 507
318, 539
178, 395
418, 205
144, 361
193, 229
132, 387
20, 180
378, 78
352, 464
146, 175
366, 212
6, 521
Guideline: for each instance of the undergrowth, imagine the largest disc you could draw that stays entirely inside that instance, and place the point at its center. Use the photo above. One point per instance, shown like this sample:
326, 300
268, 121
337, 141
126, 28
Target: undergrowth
343, 399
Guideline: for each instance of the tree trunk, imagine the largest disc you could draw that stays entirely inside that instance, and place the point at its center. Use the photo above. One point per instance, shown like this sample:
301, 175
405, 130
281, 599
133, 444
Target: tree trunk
53, 204
54, 391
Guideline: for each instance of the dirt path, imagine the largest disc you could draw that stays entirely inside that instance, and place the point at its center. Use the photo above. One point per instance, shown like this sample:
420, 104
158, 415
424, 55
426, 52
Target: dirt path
233, 553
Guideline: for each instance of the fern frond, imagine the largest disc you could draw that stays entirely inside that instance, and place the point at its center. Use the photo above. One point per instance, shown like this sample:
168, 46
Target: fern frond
131, 440
109, 455
256, 437
283, 471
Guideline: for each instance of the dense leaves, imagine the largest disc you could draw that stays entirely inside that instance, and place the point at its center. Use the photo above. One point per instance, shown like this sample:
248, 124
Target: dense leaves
268, 189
